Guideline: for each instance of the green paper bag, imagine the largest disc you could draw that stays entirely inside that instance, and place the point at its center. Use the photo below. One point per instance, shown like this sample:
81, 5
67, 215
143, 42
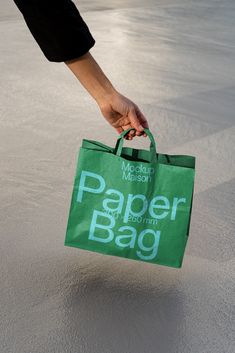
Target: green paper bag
131, 203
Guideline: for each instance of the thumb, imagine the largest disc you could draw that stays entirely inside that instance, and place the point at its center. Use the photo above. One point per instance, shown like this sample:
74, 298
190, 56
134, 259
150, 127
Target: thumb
135, 123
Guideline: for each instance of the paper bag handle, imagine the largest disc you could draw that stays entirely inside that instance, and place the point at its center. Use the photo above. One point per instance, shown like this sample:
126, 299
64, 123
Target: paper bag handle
153, 152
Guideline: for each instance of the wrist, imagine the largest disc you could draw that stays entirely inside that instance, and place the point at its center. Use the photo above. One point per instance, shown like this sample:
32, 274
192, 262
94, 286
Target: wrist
104, 93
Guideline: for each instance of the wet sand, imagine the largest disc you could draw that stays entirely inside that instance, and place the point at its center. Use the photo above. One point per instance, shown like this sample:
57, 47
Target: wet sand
175, 59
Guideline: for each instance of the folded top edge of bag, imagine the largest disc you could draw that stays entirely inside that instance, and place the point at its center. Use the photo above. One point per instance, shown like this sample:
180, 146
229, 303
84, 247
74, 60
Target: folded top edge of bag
142, 155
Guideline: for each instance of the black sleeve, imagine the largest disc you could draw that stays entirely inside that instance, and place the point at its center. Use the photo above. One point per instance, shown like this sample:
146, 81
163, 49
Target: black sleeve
58, 28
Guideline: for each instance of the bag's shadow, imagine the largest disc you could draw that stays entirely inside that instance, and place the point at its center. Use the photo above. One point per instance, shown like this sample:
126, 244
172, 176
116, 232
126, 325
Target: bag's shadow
118, 305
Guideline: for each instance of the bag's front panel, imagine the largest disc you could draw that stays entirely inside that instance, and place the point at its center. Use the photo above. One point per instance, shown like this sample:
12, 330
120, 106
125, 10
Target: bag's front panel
130, 209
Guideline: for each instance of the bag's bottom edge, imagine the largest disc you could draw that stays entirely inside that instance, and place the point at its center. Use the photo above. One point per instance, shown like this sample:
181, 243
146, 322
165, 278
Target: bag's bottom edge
127, 258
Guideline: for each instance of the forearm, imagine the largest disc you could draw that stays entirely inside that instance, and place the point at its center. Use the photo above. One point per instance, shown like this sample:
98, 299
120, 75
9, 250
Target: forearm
91, 76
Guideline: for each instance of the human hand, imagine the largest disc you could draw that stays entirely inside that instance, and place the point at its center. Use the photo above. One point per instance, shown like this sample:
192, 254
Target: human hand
122, 114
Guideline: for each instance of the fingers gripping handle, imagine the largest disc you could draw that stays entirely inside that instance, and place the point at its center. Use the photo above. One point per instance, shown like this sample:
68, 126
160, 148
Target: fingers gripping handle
119, 144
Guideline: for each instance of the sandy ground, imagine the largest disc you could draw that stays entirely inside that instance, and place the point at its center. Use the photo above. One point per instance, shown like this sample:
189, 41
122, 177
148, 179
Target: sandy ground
175, 59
